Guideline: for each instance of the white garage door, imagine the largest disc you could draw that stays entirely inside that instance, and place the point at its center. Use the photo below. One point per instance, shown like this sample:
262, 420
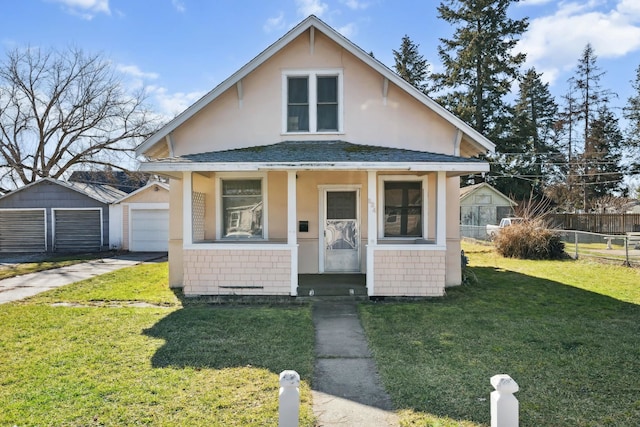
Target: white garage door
149, 230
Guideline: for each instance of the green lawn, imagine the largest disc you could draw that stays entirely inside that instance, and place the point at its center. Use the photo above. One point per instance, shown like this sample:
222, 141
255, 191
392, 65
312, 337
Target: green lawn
568, 332
123, 349
86, 355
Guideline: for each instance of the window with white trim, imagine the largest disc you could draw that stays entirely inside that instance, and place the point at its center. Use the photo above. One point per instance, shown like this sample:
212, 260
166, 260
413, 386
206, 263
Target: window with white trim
242, 208
312, 101
403, 201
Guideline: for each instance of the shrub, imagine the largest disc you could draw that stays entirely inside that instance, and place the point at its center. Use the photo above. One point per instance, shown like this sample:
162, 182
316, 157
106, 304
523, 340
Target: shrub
530, 239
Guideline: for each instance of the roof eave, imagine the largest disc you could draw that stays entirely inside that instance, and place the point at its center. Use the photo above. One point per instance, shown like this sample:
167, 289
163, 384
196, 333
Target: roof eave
173, 166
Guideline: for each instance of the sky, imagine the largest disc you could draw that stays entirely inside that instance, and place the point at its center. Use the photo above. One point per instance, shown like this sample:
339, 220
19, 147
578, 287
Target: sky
181, 49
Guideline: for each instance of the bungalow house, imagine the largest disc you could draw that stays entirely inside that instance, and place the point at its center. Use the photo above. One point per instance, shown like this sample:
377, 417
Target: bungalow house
314, 158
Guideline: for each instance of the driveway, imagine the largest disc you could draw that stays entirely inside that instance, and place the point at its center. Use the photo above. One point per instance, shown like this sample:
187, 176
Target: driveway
27, 285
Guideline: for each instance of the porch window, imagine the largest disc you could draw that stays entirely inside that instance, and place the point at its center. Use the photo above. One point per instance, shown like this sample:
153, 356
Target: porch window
242, 208
403, 209
312, 101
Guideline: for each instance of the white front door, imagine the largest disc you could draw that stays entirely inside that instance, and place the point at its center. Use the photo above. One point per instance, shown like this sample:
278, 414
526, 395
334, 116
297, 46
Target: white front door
341, 231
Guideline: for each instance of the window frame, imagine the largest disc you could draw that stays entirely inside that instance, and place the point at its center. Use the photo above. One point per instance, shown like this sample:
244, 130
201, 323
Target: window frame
230, 176
312, 75
424, 180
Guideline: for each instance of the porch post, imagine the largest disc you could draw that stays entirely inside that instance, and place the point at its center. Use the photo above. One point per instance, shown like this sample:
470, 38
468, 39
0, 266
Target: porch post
372, 227
441, 205
187, 208
292, 236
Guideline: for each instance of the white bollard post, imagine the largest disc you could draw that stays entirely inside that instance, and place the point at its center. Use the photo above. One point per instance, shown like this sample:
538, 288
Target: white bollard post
289, 407
504, 405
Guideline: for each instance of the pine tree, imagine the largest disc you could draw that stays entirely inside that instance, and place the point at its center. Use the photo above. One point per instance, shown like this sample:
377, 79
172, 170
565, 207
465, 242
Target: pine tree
532, 140
598, 125
605, 171
411, 65
632, 115
479, 65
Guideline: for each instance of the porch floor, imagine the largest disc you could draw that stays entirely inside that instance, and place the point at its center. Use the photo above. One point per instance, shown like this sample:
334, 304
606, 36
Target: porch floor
330, 285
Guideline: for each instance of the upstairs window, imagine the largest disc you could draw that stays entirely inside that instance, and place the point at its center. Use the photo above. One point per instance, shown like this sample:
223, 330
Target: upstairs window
298, 104
327, 104
312, 102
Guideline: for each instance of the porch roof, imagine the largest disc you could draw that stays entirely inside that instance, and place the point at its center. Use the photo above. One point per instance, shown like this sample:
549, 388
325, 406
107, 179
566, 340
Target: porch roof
317, 155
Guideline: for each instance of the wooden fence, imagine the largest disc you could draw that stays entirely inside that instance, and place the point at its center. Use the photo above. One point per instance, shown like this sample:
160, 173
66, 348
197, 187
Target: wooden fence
596, 223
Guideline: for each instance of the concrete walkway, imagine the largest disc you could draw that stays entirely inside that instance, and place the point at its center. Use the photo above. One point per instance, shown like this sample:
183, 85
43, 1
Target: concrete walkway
27, 285
346, 387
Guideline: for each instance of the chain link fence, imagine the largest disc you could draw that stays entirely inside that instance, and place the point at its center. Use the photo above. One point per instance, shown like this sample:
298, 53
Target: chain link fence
623, 249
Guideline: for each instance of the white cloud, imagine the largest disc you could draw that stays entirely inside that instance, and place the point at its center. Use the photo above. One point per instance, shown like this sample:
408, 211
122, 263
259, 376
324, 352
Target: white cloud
533, 2
311, 7
135, 71
172, 104
356, 4
348, 30
554, 43
86, 9
275, 23
179, 5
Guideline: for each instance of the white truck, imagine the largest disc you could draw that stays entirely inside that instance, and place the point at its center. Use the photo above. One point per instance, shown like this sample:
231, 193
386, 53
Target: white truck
493, 230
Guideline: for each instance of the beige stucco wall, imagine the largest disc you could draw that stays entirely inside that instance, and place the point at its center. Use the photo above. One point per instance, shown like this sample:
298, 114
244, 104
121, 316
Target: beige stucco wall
400, 122
176, 269
154, 194
453, 262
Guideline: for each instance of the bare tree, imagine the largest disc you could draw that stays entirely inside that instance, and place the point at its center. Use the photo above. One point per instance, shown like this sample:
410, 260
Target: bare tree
64, 108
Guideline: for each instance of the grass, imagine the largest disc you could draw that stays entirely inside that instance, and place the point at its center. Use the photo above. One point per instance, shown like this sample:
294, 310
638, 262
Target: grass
82, 355
12, 270
568, 332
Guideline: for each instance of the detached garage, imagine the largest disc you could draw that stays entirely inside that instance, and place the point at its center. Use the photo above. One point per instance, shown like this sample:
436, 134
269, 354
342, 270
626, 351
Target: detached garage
56, 216
144, 219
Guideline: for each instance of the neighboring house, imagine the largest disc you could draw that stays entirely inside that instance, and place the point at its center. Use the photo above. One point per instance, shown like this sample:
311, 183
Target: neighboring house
314, 158
482, 204
139, 222
126, 181
55, 216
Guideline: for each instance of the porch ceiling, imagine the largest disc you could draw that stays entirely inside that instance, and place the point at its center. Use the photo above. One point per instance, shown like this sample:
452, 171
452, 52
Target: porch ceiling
318, 155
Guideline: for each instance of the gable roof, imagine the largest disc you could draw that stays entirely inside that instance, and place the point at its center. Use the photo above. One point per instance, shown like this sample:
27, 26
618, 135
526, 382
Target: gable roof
470, 189
482, 143
149, 185
101, 193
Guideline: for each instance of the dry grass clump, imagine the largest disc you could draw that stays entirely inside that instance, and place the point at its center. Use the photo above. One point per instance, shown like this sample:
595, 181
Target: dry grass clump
530, 239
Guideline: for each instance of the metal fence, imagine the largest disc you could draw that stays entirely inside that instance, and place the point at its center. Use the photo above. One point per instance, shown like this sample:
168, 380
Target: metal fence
623, 249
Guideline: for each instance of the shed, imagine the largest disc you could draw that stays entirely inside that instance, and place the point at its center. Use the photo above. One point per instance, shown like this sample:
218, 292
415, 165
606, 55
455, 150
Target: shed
482, 204
56, 216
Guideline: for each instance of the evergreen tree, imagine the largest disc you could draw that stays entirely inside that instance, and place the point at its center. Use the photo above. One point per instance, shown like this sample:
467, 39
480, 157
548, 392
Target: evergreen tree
598, 127
410, 65
632, 115
479, 66
532, 140
605, 171
592, 96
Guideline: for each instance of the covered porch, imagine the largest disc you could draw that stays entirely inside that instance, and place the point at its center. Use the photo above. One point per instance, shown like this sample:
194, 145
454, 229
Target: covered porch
321, 238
